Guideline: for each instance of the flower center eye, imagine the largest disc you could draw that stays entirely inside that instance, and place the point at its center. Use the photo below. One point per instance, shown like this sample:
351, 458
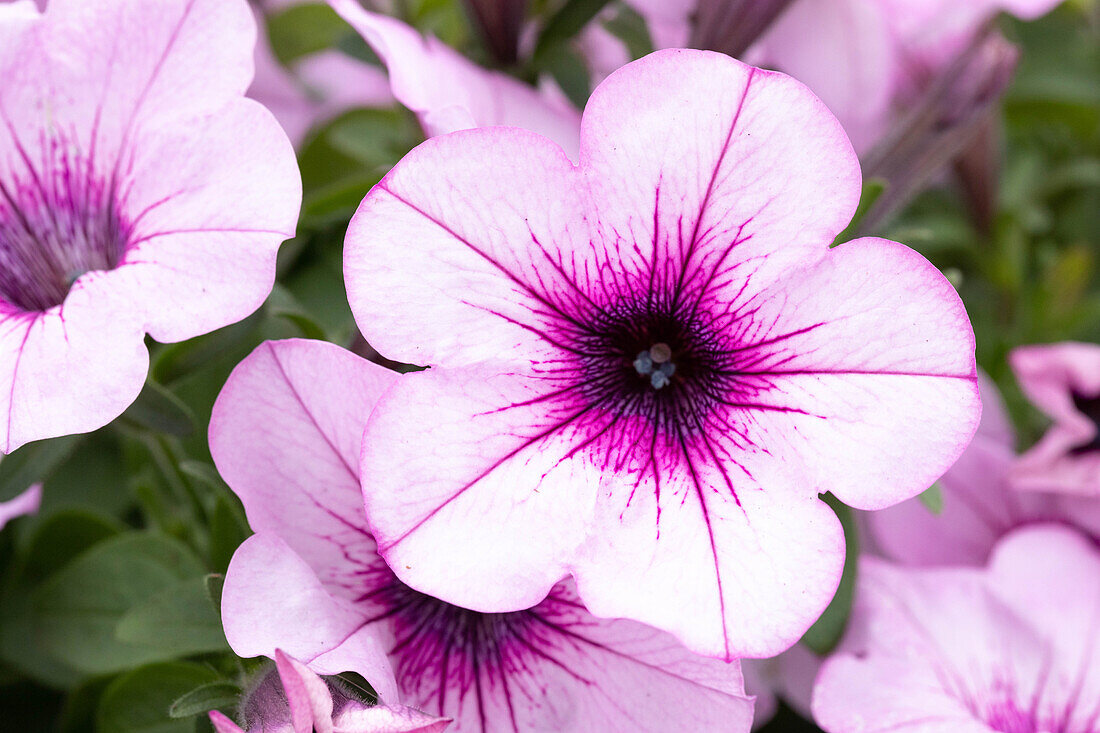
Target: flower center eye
656, 363
55, 225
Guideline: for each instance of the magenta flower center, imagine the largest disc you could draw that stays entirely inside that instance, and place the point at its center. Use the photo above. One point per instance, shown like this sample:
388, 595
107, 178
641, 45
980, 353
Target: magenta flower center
56, 224
1090, 408
654, 362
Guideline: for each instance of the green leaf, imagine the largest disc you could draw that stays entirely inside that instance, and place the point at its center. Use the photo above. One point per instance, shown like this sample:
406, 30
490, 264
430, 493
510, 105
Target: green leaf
61, 537
374, 137
630, 27
570, 72
282, 304
932, 498
873, 188
205, 698
139, 701
159, 410
52, 544
175, 361
215, 582
825, 634
78, 608
228, 529
179, 621
565, 24
304, 29
33, 463
92, 476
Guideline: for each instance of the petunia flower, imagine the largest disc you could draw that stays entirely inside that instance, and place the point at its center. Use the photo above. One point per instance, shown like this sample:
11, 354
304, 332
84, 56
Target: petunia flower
26, 502
1008, 648
448, 92
1062, 380
318, 88
979, 502
285, 435
645, 368
291, 698
140, 193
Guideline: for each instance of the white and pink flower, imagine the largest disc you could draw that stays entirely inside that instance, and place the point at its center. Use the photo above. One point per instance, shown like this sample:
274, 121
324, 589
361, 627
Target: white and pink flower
646, 367
140, 193
1011, 647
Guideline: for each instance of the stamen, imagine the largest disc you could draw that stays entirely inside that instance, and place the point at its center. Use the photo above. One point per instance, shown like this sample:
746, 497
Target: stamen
656, 363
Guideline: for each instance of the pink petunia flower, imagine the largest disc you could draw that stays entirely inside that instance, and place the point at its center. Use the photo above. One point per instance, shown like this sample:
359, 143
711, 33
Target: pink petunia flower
1062, 380
27, 502
291, 698
645, 368
448, 92
1009, 648
285, 435
317, 89
980, 504
140, 193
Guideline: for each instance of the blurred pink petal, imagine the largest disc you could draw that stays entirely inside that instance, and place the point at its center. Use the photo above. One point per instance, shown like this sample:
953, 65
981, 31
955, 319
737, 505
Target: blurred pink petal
1007, 648
540, 442
131, 171
449, 92
1062, 380
550, 667
930, 33
843, 51
317, 89
21, 505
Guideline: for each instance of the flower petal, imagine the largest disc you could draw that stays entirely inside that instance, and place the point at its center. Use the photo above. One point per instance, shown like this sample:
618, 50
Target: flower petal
285, 435
873, 420
22, 504
927, 650
448, 92
193, 262
309, 698
486, 282
1064, 605
732, 568
978, 504
273, 600
488, 500
704, 170
389, 719
222, 724
844, 52
69, 370
576, 672
193, 58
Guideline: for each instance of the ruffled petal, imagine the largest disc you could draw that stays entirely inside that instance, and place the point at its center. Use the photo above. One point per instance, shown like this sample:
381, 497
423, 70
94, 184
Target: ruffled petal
273, 600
